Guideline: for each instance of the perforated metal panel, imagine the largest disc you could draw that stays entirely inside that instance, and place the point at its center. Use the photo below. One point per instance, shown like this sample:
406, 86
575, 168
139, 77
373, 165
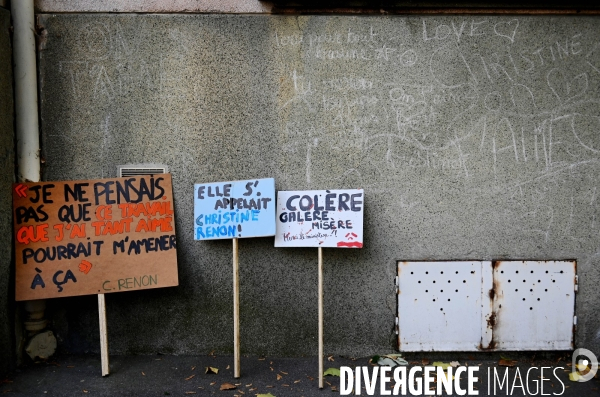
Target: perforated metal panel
504, 305
534, 305
440, 305
141, 169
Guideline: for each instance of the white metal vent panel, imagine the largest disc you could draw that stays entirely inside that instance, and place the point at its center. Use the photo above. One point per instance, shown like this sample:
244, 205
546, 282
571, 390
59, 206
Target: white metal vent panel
534, 305
440, 305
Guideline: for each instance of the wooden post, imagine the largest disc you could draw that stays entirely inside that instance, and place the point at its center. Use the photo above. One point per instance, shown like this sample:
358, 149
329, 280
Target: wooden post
320, 317
236, 311
103, 334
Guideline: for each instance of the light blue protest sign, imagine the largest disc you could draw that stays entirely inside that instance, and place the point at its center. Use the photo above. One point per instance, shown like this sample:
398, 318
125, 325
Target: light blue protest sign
238, 209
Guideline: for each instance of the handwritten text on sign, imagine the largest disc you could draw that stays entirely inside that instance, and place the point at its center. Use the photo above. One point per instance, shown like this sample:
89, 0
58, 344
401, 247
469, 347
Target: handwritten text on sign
94, 236
226, 210
320, 218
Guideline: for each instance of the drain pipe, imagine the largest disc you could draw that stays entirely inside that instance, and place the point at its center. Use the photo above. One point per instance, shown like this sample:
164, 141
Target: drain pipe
28, 147
26, 103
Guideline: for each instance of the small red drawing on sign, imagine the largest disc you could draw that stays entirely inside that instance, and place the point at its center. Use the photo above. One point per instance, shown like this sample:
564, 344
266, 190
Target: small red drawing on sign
350, 244
21, 190
85, 267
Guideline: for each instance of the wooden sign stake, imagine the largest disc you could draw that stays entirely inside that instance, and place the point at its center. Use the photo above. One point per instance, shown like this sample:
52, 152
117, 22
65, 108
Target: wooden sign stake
320, 317
236, 311
291, 230
254, 196
103, 334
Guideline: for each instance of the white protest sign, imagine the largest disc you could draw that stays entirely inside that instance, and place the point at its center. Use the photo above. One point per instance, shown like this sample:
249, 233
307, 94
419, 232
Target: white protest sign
320, 218
238, 209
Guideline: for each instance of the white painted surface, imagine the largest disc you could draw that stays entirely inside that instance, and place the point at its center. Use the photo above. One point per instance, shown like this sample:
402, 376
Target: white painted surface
320, 218
440, 305
466, 306
534, 305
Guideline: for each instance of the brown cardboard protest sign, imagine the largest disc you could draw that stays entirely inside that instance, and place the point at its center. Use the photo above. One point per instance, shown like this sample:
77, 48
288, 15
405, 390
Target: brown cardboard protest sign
94, 236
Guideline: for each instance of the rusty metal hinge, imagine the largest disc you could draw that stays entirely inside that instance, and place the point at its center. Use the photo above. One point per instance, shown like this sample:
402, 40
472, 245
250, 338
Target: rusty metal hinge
397, 284
576, 283
396, 329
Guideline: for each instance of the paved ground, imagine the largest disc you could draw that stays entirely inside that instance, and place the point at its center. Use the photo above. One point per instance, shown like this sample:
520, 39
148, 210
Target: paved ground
185, 375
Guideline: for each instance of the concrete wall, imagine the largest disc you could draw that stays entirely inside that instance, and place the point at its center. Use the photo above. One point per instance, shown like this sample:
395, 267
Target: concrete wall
308, 6
474, 137
7, 176
207, 6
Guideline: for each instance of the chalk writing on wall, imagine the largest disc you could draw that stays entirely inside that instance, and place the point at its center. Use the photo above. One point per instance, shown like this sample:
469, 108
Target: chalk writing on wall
224, 210
502, 107
94, 236
320, 218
